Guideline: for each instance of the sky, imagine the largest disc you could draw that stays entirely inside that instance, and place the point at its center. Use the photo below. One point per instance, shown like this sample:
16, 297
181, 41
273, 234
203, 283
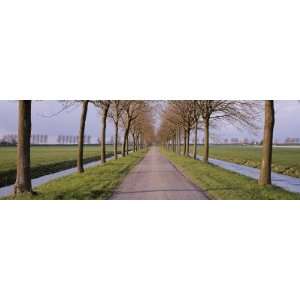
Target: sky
47, 120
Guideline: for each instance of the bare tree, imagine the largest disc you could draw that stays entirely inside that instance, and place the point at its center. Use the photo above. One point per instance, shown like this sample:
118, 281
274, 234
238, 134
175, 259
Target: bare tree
142, 130
23, 179
188, 115
80, 140
169, 127
196, 115
115, 114
84, 109
178, 114
132, 108
266, 163
236, 112
103, 105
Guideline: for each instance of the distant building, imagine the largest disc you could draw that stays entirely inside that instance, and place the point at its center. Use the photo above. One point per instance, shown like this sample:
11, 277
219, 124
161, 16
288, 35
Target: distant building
39, 139
44, 139
291, 140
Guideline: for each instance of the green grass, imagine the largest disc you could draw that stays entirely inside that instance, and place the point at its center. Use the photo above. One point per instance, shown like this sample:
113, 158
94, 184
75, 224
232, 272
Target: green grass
95, 183
45, 160
222, 184
285, 160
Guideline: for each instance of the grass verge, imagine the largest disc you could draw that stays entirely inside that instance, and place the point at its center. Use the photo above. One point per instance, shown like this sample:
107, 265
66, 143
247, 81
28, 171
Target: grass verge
95, 183
223, 184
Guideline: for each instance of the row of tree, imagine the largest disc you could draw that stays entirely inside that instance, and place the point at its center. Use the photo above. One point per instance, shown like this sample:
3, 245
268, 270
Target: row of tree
180, 118
135, 118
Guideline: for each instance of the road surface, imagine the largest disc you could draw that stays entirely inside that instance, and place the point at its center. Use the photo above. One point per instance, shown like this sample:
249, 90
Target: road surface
155, 178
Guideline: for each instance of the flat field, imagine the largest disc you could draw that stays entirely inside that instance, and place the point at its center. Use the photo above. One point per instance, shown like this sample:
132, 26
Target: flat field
286, 160
45, 160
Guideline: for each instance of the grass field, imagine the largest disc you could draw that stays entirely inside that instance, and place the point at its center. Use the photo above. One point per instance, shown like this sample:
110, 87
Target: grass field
45, 160
95, 183
285, 160
222, 184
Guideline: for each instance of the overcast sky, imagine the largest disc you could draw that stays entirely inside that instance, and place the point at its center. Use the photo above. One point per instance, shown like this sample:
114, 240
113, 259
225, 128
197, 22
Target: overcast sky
287, 120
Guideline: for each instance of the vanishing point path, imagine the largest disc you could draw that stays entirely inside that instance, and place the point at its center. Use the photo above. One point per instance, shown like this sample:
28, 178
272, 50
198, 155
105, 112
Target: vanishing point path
155, 178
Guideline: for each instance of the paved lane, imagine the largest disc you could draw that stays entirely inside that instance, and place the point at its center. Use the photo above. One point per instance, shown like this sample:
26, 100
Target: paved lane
155, 178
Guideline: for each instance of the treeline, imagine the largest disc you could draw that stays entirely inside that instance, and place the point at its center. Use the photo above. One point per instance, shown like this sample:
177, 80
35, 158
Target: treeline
181, 118
134, 117
9, 140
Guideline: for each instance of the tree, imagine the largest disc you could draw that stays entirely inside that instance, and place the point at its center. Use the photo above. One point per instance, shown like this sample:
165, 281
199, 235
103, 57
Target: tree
184, 112
196, 115
236, 112
103, 105
179, 114
142, 130
169, 126
188, 115
132, 109
80, 140
115, 114
84, 109
23, 178
266, 163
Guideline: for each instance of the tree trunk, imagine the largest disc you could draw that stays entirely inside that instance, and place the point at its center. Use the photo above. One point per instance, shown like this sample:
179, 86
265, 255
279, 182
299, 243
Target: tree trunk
184, 146
173, 144
116, 139
133, 138
103, 136
176, 141
127, 145
266, 163
206, 140
140, 141
196, 140
126, 134
124, 144
137, 143
23, 178
188, 142
80, 168
179, 141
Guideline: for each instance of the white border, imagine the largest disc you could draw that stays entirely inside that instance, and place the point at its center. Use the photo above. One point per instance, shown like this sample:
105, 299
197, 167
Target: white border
137, 49
149, 250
